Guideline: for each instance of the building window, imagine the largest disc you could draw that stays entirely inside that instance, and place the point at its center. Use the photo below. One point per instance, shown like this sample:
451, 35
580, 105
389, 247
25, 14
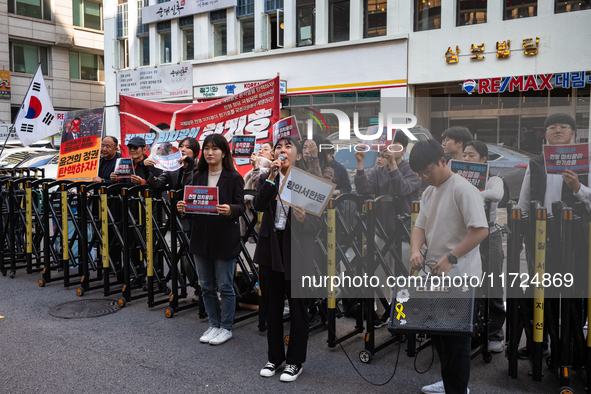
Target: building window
40, 9
218, 16
244, 8
273, 30
471, 12
142, 29
86, 66
163, 29
273, 5
514, 9
338, 20
220, 39
306, 22
25, 58
427, 15
247, 35
374, 18
121, 21
571, 5
144, 50
186, 25
88, 14
121, 58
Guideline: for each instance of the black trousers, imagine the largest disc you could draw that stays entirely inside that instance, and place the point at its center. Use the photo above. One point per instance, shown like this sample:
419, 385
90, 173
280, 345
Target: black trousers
454, 354
273, 289
496, 308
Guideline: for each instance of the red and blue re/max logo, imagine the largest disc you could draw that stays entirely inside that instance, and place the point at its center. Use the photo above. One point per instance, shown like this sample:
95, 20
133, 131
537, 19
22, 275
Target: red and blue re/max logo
509, 84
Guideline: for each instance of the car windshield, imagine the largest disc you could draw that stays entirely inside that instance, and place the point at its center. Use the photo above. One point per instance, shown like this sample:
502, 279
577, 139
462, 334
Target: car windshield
37, 161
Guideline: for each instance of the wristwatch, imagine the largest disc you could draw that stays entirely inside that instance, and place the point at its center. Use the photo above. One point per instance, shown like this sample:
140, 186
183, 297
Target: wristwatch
452, 259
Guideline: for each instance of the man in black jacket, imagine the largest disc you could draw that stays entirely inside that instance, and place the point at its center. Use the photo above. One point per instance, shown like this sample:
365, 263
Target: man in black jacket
137, 153
109, 156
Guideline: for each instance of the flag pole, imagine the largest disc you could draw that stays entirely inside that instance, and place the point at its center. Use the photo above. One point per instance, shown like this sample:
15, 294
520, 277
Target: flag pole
21, 108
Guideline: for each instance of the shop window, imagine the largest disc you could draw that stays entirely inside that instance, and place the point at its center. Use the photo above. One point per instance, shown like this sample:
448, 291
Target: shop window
483, 101
534, 99
561, 97
484, 130
40, 9
86, 66
244, 8
427, 15
368, 95
247, 35
571, 5
25, 58
470, 12
323, 98
582, 121
299, 100
220, 39
347, 97
439, 102
583, 96
509, 100
88, 14
515, 9
306, 22
374, 18
509, 131
532, 134
338, 20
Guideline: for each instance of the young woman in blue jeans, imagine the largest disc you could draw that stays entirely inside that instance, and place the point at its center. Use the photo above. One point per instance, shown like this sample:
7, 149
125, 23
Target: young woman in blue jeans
215, 239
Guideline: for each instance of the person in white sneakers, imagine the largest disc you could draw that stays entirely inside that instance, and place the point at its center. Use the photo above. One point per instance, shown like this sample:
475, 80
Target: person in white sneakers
276, 254
452, 224
215, 239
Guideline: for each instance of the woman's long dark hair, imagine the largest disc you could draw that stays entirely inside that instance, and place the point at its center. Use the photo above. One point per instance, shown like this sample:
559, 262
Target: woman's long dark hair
193, 145
219, 141
322, 158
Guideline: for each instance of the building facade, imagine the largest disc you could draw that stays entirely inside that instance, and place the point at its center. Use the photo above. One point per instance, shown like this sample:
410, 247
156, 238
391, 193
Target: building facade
66, 38
368, 57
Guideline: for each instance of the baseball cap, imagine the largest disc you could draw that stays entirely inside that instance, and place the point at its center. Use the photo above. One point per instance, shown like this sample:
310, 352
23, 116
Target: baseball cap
136, 141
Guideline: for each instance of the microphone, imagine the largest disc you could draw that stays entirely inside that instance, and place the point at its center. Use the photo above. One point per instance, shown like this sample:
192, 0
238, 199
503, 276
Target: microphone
281, 158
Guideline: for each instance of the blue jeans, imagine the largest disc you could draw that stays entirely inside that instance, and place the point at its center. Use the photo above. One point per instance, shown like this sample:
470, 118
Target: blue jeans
211, 271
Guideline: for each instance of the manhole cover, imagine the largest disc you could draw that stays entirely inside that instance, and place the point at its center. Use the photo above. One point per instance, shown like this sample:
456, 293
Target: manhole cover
84, 308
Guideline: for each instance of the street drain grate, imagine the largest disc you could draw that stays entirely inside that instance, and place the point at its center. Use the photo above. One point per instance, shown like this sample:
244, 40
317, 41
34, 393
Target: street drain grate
84, 308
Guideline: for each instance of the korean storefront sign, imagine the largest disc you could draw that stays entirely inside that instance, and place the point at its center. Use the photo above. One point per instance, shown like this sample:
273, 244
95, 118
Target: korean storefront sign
174, 80
179, 8
502, 49
214, 91
523, 83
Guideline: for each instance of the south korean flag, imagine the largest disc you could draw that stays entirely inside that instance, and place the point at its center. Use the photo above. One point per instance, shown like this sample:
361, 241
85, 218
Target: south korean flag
36, 117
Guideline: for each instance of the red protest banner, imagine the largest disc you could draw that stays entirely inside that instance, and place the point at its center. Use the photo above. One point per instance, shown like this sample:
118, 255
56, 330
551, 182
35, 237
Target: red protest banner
560, 158
252, 112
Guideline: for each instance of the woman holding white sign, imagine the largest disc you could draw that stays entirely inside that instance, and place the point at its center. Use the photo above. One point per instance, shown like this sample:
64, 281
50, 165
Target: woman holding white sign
215, 239
477, 152
189, 148
276, 255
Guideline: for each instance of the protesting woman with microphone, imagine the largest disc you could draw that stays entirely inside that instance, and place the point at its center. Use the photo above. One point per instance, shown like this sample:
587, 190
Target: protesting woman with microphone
215, 239
275, 255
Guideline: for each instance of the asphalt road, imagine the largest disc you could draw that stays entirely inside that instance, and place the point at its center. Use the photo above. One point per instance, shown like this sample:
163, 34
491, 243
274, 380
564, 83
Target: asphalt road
137, 349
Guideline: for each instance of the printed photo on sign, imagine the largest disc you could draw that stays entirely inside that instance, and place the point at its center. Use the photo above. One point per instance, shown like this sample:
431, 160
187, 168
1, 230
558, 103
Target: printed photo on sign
168, 163
201, 199
475, 173
560, 158
287, 127
243, 145
300, 188
124, 168
80, 144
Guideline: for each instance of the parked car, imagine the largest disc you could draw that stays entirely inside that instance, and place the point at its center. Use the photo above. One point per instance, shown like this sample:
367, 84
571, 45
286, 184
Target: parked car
510, 164
46, 160
12, 156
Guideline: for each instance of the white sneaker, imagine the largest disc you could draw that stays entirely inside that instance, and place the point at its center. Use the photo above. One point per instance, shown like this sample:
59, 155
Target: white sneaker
291, 373
222, 336
209, 334
437, 388
496, 346
269, 369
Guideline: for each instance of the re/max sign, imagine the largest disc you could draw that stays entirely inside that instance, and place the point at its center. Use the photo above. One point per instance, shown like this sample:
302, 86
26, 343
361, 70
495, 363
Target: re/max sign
523, 83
